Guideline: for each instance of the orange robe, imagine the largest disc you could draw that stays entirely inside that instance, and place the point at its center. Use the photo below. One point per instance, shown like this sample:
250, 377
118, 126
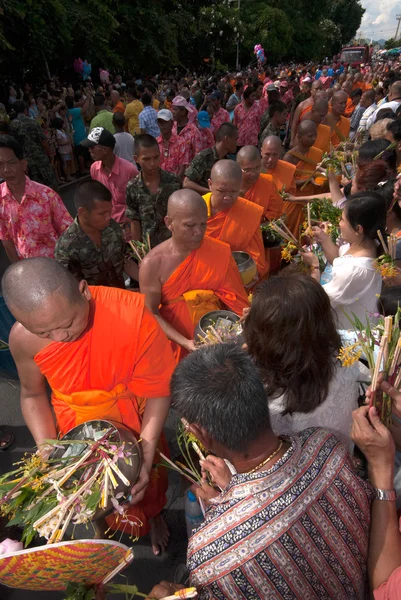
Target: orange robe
305, 111
323, 138
122, 358
349, 109
341, 131
208, 279
294, 210
264, 193
284, 176
240, 228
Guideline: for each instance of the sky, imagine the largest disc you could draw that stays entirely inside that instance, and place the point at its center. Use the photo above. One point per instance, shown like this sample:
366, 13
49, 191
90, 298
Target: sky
379, 19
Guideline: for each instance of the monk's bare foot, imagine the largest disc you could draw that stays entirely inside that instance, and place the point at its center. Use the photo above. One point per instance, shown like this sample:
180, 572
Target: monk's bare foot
159, 534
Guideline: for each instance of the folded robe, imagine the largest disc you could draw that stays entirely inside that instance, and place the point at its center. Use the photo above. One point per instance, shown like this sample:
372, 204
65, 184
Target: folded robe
122, 358
264, 193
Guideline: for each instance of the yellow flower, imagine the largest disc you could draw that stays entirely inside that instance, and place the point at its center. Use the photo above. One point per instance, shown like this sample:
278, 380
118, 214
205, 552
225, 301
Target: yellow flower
287, 251
348, 355
250, 298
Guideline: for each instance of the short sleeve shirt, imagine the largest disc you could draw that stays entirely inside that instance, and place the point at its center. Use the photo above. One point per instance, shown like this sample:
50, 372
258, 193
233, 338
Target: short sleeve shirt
174, 155
150, 209
201, 166
77, 124
85, 260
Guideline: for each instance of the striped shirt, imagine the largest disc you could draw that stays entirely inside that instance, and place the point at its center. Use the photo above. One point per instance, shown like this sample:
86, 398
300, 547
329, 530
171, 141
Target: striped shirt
297, 531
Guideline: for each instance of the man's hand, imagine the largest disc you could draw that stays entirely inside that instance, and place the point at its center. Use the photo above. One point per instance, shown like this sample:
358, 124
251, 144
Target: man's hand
377, 444
320, 233
190, 345
163, 589
309, 258
220, 473
204, 491
138, 490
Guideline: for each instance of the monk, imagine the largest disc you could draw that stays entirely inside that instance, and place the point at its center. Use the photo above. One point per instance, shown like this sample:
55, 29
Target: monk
232, 219
283, 173
305, 157
347, 87
258, 187
339, 125
104, 356
318, 115
303, 108
190, 274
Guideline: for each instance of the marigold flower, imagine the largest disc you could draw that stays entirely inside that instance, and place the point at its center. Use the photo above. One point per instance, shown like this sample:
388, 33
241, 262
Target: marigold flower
348, 355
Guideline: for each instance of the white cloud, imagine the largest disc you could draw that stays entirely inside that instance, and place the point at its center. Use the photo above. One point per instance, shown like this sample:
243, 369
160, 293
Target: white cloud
379, 19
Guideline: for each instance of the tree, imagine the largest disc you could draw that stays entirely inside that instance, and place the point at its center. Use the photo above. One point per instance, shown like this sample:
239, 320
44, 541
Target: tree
391, 43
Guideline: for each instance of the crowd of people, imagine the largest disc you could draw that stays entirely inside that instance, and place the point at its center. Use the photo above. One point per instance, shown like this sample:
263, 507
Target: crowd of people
179, 173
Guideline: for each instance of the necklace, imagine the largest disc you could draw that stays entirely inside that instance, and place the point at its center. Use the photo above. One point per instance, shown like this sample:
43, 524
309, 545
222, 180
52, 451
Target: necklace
268, 459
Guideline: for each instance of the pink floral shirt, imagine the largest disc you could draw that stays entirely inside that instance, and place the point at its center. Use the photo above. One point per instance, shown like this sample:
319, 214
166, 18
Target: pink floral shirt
35, 223
191, 136
116, 181
207, 138
219, 118
174, 155
247, 122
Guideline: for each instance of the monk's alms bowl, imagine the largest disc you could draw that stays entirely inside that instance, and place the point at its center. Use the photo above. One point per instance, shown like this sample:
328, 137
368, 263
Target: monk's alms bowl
212, 318
246, 266
95, 430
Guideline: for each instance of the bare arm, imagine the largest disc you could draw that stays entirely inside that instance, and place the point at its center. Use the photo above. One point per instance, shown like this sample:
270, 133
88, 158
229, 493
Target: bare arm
294, 124
35, 404
132, 269
181, 172
150, 285
136, 230
191, 185
11, 251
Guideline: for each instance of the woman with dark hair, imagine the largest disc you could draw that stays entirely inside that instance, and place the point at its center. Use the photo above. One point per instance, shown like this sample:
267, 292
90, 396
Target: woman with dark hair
291, 333
355, 282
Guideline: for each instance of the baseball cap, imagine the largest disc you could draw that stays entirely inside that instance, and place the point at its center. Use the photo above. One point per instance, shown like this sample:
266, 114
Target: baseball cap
180, 101
215, 96
271, 87
203, 119
165, 115
283, 83
99, 136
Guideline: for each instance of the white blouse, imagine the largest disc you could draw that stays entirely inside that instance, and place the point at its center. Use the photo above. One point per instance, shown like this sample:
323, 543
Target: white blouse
354, 287
335, 413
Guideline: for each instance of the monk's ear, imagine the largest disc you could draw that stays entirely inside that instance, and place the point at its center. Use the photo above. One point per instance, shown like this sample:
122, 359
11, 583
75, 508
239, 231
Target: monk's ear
84, 289
209, 183
168, 223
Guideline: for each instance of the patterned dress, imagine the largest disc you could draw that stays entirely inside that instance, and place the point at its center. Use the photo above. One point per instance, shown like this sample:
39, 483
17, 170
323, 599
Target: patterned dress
247, 122
299, 530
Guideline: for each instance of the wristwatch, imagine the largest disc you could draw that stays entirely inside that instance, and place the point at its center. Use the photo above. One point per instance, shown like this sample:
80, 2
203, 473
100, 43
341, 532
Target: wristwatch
390, 495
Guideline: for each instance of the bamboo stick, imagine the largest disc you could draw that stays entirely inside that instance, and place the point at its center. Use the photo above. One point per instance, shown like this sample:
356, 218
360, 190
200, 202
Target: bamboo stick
128, 558
383, 243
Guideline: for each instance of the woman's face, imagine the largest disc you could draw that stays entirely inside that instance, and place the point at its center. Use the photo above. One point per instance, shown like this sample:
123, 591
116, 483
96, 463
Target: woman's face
348, 233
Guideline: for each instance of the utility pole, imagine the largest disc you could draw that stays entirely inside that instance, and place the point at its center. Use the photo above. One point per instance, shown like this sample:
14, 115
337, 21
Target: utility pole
398, 17
239, 6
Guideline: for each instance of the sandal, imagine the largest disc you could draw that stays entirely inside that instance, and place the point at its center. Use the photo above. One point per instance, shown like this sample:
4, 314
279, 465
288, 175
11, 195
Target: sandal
6, 439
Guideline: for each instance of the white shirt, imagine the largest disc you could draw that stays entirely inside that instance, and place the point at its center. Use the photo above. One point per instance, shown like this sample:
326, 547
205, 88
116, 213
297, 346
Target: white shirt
354, 287
335, 412
124, 147
394, 104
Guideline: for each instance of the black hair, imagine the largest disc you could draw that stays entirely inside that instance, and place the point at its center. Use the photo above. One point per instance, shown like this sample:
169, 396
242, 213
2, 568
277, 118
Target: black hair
57, 123
118, 119
390, 300
226, 129
99, 100
140, 88
357, 92
219, 388
69, 101
367, 209
369, 150
385, 113
395, 129
277, 107
145, 140
238, 86
386, 189
8, 141
132, 91
87, 192
20, 106
249, 90
146, 99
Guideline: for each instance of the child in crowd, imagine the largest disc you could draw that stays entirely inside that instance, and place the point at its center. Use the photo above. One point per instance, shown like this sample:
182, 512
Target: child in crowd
64, 147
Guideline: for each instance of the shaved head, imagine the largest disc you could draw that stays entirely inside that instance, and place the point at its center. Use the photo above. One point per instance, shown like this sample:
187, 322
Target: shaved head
306, 127
321, 103
339, 103
185, 201
271, 152
226, 170
396, 89
249, 153
272, 142
28, 284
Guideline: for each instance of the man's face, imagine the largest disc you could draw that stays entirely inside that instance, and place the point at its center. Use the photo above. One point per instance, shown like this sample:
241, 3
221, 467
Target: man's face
307, 139
98, 152
339, 104
251, 99
165, 126
270, 156
281, 118
224, 192
250, 170
12, 169
316, 87
231, 143
99, 217
215, 102
149, 159
59, 320
188, 227
178, 112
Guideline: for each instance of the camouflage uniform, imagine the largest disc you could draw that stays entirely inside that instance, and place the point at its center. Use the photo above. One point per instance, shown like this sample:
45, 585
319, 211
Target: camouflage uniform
150, 209
268, 131
30, 135
201, 166
84, 259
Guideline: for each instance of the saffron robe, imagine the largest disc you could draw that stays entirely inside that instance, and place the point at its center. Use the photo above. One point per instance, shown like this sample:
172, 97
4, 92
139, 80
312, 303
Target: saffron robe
340, 132
264, 193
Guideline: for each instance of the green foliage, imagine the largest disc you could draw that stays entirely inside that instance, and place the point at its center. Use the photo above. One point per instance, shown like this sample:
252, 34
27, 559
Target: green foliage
392, 43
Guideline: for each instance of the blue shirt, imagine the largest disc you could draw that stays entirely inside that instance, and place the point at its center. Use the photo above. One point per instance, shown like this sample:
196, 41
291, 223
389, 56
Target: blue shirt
318, 74
78, 125
330, 72
148, 121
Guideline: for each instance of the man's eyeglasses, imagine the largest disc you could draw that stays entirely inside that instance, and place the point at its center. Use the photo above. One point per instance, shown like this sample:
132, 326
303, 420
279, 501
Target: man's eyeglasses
251, 170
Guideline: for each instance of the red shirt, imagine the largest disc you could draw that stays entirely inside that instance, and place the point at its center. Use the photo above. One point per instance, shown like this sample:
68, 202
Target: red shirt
116, 182
218, 119
173, 155
247, 122
35, 223
207, 137
191, 136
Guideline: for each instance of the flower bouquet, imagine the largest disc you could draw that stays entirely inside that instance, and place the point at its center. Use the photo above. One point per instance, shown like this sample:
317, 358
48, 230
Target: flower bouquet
271, 239
82, 479
322, 210
381, 345
138, 250
385, 263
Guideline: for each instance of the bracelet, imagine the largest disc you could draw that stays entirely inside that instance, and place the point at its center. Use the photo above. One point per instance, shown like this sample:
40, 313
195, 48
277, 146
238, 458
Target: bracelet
389, 495
315, 268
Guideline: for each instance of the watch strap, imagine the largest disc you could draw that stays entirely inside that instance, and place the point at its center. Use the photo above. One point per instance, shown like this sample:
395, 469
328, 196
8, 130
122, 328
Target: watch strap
389, 495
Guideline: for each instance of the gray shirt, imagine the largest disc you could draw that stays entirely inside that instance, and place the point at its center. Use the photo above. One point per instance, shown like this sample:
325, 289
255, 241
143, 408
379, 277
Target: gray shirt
124, 147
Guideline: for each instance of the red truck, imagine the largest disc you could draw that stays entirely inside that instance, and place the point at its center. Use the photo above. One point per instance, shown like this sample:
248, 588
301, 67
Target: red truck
355, 55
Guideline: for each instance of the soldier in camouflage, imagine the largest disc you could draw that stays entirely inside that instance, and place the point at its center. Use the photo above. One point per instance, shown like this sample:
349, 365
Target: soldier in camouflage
148, 193
34, 145
93, 247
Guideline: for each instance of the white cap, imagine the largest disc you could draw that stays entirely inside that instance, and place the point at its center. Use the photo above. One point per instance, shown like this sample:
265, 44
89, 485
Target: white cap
165, 115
